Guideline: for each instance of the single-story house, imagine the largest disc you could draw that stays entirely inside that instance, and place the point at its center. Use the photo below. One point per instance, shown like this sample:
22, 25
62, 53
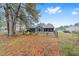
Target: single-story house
42, 28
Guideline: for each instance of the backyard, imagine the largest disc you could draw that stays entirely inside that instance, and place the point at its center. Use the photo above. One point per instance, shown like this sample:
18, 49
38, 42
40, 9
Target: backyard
42, 45
29, 45
33, 29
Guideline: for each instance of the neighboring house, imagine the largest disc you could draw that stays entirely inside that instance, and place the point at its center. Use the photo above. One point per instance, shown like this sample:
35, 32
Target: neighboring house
42, 28
73, 29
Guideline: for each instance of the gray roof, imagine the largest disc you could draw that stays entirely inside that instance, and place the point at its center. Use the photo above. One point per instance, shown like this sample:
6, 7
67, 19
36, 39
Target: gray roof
45, 26
42, 25
49, 26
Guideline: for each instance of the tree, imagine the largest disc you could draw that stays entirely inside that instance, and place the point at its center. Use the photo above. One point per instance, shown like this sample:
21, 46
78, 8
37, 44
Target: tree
76, 24
26, 12
0, 22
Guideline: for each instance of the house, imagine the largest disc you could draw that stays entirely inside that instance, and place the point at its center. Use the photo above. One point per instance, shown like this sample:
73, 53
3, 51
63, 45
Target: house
42, 28
72, 29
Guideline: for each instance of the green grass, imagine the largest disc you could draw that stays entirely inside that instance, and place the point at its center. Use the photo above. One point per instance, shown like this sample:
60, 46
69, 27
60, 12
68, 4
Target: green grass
77, 33
68, 45
70, 49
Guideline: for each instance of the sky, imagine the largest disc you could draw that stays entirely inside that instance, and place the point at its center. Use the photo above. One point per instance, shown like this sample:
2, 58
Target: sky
59, 14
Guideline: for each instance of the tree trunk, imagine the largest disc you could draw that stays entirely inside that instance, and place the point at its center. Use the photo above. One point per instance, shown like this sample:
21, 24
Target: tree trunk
14, 27
8, 27
11, 26
10, 23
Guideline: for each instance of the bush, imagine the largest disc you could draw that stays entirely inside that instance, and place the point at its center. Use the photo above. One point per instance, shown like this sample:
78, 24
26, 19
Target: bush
77, 33
66, 31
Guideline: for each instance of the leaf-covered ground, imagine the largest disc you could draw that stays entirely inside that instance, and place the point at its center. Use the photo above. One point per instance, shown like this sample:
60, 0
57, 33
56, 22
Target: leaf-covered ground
23, 45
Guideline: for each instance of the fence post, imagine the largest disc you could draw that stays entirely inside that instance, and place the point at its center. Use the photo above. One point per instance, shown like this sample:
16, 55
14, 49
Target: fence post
56, 33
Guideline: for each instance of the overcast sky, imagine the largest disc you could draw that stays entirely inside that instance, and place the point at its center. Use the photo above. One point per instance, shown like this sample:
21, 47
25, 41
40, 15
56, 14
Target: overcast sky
59, 14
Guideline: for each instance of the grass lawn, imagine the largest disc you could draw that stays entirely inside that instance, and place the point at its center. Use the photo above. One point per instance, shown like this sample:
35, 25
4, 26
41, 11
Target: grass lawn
69, 44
